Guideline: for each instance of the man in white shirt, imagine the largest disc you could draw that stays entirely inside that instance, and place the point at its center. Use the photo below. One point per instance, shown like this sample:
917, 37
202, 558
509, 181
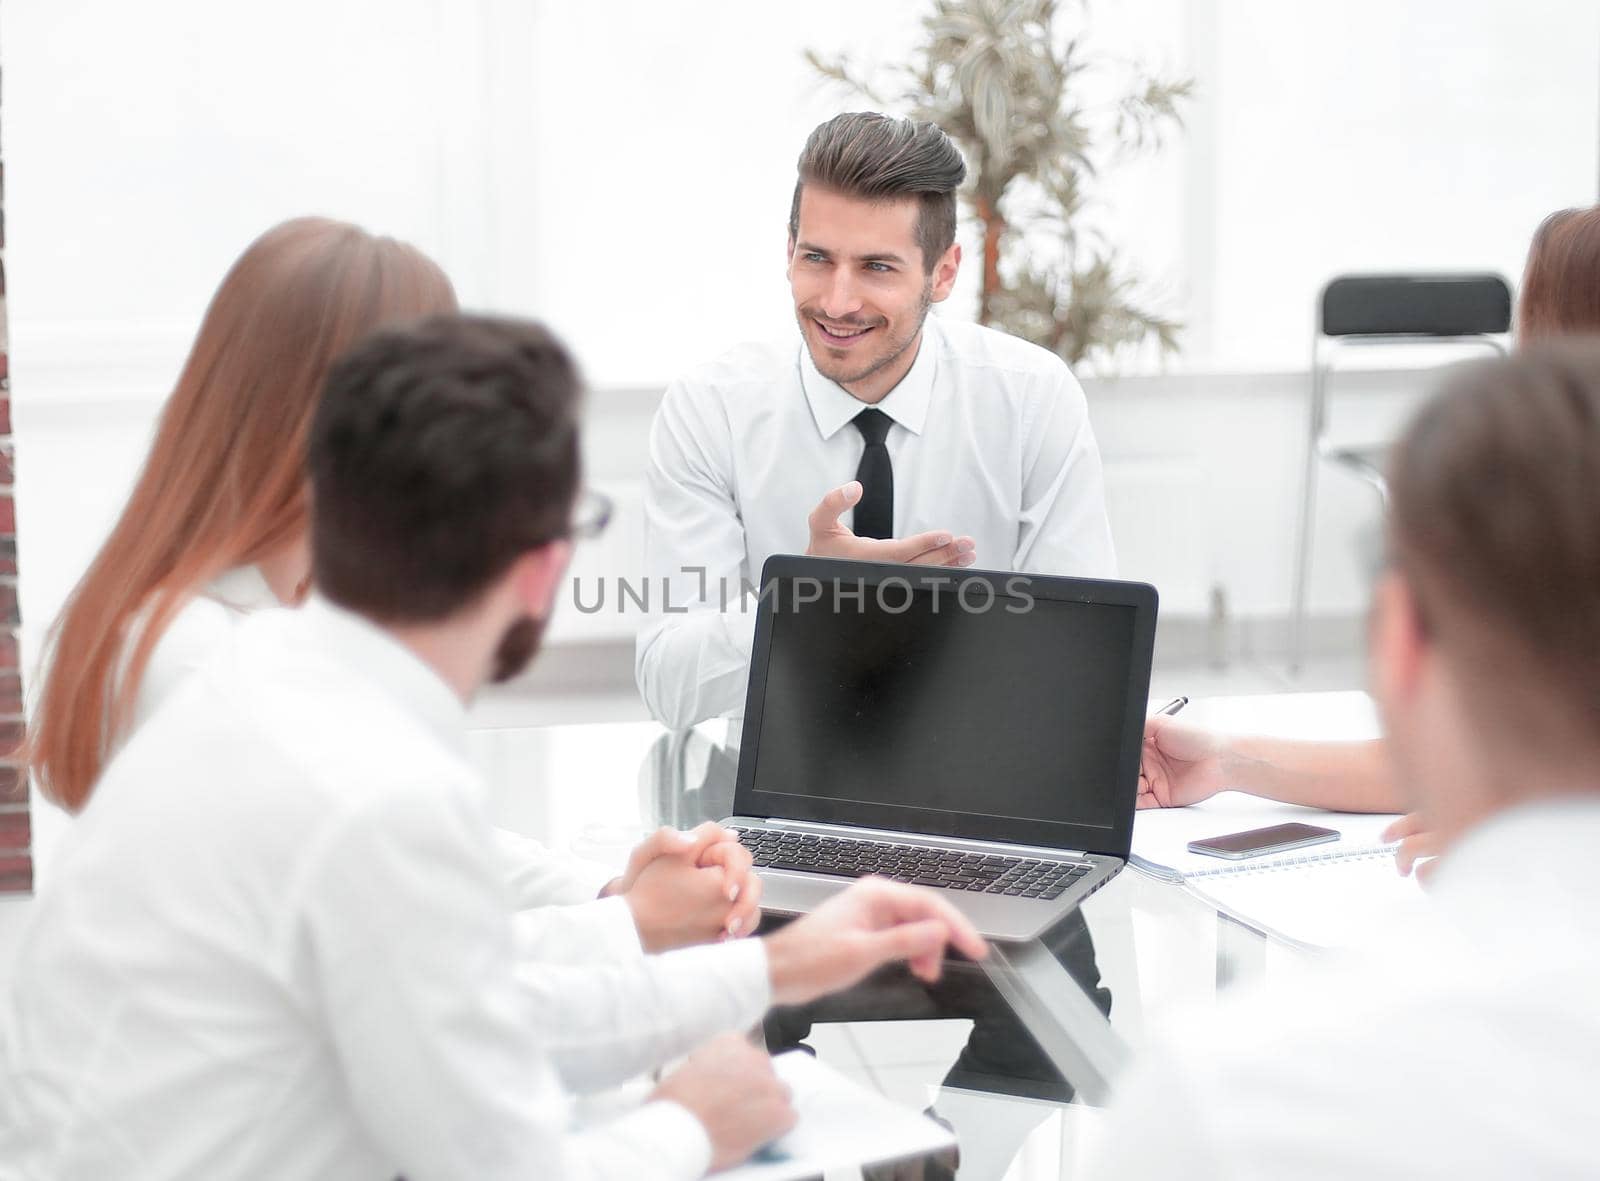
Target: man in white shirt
275, 943
884, 434
677, 889
1467, 1045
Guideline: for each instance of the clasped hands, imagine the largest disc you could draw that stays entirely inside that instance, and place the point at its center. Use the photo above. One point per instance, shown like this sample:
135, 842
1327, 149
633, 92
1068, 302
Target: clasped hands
689, 887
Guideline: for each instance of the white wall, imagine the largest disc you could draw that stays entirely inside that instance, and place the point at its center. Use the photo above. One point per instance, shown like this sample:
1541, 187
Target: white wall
1379, 135
147, 144
624, 171
676, 128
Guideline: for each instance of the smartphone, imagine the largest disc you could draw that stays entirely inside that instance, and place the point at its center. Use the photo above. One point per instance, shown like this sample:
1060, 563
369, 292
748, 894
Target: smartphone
1274, 839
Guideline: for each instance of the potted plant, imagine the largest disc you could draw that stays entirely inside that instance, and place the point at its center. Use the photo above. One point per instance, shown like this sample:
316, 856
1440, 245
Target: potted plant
1004, 81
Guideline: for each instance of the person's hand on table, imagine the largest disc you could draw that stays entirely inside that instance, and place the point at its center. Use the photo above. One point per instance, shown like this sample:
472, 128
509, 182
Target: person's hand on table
738, 869
1419, 847
731, 1088
689, 887
831, 538
1179, 764
871, 923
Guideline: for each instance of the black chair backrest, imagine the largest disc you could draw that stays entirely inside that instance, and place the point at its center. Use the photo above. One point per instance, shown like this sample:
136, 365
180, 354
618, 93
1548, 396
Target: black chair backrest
1415, 305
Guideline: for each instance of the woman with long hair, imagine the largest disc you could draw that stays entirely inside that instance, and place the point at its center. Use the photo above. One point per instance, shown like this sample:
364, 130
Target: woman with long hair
217, 528
1184, 764
216, 523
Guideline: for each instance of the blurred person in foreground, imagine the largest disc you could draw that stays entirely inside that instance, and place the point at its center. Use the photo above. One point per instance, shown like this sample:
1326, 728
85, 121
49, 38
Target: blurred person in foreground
276, 944
1185, 764
216, 529
1463, 1044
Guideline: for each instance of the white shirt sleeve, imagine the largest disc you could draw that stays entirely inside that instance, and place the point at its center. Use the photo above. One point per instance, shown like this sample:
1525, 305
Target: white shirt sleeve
1063, 528
691, 659
604, 1024
539, 876
401, 934
606, 1010
600, 931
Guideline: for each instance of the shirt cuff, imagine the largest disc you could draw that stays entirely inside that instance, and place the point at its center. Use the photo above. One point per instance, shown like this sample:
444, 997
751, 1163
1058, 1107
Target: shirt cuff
731, 982
614, 928
590, 876
750, 967
739, 626
539, 877
598, 932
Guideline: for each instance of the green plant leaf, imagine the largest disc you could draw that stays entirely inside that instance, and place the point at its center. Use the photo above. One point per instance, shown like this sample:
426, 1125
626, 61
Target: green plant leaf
990, 74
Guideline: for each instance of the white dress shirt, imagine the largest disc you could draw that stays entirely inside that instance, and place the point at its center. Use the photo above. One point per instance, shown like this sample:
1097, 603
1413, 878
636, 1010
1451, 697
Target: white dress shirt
274, 946
1465, 1046
195, 632
990, 437
624, 1016
538, 876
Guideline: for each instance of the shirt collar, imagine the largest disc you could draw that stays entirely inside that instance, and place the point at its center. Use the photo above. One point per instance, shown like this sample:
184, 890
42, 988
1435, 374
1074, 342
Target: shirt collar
243, 588
832, 406
400, 674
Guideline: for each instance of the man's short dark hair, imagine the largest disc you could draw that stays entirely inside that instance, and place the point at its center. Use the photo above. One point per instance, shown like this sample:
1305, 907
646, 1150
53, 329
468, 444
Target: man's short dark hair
1494, 523
881, 158
440, 453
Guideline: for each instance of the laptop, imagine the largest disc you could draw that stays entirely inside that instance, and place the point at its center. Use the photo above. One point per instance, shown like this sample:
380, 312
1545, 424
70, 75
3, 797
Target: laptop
976, 732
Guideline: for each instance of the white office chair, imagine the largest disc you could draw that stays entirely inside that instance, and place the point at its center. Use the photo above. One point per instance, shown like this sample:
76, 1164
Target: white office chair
1381, 310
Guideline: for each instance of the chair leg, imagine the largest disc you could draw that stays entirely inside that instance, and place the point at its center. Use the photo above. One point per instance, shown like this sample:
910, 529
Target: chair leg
1302, 569
1308, 515
1322, 363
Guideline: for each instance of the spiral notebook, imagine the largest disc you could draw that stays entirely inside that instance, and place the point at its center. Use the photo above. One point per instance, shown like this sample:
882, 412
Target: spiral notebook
1328, 896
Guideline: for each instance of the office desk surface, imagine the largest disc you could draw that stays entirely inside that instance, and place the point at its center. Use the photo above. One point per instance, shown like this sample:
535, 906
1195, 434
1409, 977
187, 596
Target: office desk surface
977, 1051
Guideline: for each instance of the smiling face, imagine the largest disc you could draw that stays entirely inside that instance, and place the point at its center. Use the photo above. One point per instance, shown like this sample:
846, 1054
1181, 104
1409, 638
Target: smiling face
860, 288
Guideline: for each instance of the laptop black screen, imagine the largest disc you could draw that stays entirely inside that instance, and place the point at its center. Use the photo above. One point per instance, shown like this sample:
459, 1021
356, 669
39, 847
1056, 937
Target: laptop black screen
951, 709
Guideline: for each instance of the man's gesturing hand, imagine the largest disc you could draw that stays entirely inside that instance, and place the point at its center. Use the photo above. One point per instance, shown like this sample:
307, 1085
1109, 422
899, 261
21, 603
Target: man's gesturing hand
730, 1087
872, 923
830, 538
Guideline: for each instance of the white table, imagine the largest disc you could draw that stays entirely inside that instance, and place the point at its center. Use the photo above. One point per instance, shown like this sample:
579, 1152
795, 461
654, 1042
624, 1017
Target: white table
1161, 952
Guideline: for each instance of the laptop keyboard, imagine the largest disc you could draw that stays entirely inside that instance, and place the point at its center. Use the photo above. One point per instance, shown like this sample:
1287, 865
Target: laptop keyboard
1021, 877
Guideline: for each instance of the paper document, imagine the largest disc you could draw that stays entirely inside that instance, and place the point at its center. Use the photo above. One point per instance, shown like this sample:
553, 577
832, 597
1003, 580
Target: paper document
1330, 895
1161, 836
841, 1124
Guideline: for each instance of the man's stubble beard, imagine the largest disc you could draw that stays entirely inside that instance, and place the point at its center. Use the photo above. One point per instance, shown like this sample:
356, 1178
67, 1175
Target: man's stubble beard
898, 346
516, 649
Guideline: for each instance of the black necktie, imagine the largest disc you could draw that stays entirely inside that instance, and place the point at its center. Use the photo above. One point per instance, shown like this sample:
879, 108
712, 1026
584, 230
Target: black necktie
875, 510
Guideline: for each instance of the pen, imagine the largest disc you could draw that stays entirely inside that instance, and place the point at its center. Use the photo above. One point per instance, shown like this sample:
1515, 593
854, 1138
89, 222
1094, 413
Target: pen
1172, 706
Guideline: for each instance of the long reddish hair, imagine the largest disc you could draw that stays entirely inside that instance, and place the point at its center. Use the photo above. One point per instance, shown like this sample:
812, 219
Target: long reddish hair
225, 481
1561, 284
